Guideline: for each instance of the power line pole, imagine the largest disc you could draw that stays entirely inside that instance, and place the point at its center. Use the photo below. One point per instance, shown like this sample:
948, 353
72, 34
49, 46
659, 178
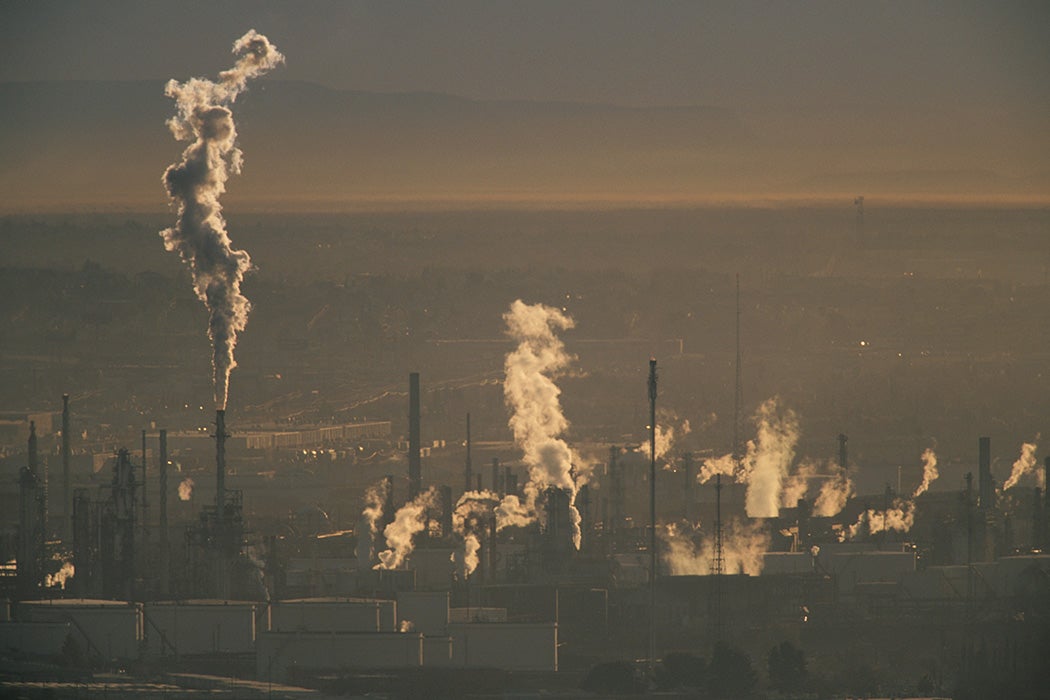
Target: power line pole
652, 514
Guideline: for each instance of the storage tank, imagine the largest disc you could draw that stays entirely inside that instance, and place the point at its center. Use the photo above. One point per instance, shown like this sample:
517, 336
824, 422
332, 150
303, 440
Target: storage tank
200, 627
511, 646
275, 652
109, 628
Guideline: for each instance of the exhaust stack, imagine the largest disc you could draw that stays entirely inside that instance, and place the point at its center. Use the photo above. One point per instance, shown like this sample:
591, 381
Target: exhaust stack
414, 471
220, 459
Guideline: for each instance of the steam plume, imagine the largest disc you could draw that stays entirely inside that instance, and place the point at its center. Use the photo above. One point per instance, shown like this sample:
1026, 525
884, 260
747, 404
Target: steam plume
473, 510
195, 184
531, 394
1024, 464
899, 517
409, 520
665, 438
768, 458
834, 493
368, 529
186, 489
743, 544
797, 484
60, 577
929, 472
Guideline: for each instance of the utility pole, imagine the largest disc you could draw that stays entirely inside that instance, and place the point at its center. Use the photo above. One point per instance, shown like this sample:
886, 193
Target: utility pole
652, 514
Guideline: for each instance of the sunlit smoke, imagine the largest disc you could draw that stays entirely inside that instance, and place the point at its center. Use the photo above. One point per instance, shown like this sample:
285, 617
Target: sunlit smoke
368, 527
725, 465
666, 435
929, 472
797, 484
186, 489
473, 513
195, 184
834, 492
743, 545
531, 394
60, 577
1024, 464
409, 520
768, 457
511, 512
900, 517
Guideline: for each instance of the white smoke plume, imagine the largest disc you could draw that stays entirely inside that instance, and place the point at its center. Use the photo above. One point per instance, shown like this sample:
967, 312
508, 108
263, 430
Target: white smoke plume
531, 394
797, 484
743, 544
467, 560
1024, 464
834, 492
929, 472
470, 518
666, 435
409, 520
511, 512
768, 457
194, 185
60, 577
725, 465
899, 517
368, 528
186, 489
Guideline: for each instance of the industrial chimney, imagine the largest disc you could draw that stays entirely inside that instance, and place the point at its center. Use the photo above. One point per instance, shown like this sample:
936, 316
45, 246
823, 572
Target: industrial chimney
67, 484
162, 479
414, 471
985, 487
468, 467
220, 460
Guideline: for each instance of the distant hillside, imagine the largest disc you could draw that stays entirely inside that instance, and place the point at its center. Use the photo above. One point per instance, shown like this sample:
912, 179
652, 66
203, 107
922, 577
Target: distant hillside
102, 144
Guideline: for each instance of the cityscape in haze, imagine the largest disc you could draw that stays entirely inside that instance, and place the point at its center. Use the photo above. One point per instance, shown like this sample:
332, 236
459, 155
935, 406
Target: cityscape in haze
501, 349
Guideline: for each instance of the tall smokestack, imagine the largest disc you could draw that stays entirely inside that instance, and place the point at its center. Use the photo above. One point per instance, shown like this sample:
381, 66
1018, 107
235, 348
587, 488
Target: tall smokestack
652, 514
495, 476
67, 481
414, 471
220, 459
162, 480
843, 454
468, 468
985, 488
39, 472
145, 491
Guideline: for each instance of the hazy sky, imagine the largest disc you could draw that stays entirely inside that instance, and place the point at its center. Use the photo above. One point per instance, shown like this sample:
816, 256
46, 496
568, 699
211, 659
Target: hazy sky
753, 54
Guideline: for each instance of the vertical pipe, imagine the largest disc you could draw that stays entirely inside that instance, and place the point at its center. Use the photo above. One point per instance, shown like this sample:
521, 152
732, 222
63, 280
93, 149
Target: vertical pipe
414, 472
984, 474
843, 454
67, 484
468, 467
162, 479
220, 460
145, 492
495, 476
652, 514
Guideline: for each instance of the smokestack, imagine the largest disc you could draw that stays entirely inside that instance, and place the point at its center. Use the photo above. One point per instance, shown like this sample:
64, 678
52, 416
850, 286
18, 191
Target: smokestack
510, 482
495, 476
414, 472
67, 482
479, 481
39, 472
220, 460
985, 488
843, 455
162, 480
468, 467
652, 514
145, 491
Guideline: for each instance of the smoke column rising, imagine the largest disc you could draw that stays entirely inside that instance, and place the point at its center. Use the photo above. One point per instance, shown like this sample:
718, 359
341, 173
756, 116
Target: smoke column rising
768, 458
375, 495
186, 489
1024, 464
195, 184
531, 394
409, 520
929, 472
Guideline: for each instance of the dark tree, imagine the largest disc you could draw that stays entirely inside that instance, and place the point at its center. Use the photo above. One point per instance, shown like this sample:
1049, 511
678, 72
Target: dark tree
681, 670
612, 678
787, 667
730, 674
